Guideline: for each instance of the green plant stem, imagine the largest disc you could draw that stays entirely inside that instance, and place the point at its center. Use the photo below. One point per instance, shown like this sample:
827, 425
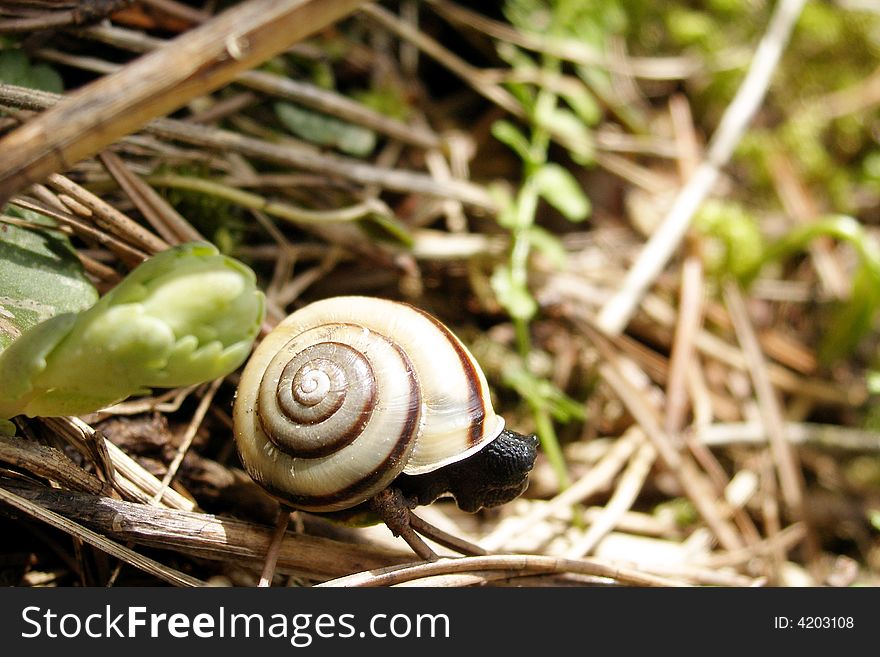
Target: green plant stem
523, 339
527, 205
527, 202
853, 318
253, 201
550, 444
840, 227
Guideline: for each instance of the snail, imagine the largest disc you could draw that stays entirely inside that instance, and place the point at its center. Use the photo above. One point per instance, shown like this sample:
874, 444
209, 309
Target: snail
350, 396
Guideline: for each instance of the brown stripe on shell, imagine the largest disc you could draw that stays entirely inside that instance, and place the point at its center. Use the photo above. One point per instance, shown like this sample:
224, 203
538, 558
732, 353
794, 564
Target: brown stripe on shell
394, 462
476, 401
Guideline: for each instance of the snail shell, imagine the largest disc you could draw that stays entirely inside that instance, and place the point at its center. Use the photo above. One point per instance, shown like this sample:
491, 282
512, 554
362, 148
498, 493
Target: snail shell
349, 392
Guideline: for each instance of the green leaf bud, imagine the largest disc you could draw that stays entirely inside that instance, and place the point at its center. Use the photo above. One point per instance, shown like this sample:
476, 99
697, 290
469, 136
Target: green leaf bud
184, 316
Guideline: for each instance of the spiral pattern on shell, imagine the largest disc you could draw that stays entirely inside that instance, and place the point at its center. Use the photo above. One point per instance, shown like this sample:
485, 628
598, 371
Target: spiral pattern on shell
312, 410
347, 393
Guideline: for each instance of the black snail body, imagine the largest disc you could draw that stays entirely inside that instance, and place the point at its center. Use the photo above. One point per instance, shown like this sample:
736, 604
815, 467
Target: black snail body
350, 395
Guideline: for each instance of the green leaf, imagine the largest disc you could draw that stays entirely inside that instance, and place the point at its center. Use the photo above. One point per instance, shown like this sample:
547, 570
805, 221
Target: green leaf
560, 189
736, 246
45, 78
518, 60
543, 394
325, 130
387, 99
852, 320
584, 105
549, 245
184, 316
15, 68
26, 358
509, 135
507, 208
513, 294
577, 136
40, 276
388, 228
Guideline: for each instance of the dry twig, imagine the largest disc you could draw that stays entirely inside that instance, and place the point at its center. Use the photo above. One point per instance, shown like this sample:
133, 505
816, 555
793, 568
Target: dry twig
616, 313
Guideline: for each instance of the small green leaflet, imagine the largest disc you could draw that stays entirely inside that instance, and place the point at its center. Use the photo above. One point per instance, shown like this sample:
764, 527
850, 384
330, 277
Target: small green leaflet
326, 130
513, 293
561, 190
40, 277
15, 68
